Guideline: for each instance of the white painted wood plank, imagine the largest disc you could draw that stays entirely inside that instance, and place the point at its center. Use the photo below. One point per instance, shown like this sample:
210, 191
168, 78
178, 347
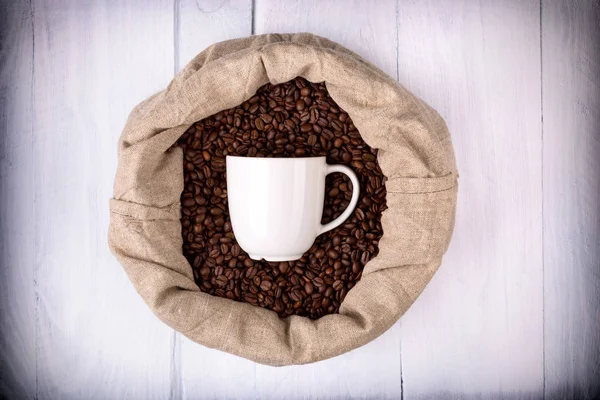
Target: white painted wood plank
206, 22
370, 372
571, 107
476, 331
373, 371
362, 26
17, 228
93, 62
207, 373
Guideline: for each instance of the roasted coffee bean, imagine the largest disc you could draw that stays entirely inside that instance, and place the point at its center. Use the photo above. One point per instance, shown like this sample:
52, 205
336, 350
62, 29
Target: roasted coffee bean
337, 240
308, 287
265, 285
283, 267
319, 253
333, 254
294, 119
188, 202
232, 263
221, 280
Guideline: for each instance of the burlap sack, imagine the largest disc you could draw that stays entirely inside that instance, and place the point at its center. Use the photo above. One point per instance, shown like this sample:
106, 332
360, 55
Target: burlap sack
415, 153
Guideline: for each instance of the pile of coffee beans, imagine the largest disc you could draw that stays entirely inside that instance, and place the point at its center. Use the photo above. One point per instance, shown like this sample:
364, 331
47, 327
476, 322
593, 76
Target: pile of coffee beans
293, 119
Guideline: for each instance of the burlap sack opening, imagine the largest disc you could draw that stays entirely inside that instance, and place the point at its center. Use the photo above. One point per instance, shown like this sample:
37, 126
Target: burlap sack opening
415, 154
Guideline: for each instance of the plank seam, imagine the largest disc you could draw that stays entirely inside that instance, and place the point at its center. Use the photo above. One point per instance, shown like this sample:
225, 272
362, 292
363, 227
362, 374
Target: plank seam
176, 378
176, 35
397, 12
253, 18
176, 389
542, 207
35, 247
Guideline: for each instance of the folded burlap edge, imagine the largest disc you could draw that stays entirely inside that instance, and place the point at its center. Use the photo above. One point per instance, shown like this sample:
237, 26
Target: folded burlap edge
415, 154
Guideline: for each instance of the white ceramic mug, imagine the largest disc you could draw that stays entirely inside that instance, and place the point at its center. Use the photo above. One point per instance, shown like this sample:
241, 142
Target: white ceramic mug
276, 204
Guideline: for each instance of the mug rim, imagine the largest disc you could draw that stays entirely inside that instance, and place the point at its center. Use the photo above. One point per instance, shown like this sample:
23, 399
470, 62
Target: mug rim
277, 158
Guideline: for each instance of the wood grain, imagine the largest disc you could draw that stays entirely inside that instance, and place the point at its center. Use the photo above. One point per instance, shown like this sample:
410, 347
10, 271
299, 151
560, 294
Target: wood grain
203, 23
17, 186
207, 373
476, 331
571, 104
373, 371
93, 62
514, 311
365, 29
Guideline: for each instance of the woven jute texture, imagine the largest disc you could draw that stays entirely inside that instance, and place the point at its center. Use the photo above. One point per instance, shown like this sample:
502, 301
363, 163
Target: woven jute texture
415, 153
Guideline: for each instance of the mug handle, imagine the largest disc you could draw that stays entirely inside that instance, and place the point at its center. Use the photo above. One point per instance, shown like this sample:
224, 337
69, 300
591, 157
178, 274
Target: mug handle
353, 201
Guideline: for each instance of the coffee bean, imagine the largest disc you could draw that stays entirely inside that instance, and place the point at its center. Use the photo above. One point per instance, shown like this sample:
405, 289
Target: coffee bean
251, 272
368, 157
251, 298
357, 165
265, 285
337, 285
337, 240
221, 280
333, 254
308, 287
293, 119
283, 267
305, 128
216, 211
188, 202
259, 123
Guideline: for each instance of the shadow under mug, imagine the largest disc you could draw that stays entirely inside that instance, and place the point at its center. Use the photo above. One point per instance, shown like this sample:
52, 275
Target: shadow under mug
276, 204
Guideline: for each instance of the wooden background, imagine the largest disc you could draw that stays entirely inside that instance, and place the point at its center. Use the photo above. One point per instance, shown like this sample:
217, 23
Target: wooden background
514, 311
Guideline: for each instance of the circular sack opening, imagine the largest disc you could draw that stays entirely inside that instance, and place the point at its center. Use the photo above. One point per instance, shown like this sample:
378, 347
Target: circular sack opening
415, 154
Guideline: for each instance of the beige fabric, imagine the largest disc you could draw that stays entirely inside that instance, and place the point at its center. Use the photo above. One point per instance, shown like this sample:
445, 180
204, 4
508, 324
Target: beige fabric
415, 154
